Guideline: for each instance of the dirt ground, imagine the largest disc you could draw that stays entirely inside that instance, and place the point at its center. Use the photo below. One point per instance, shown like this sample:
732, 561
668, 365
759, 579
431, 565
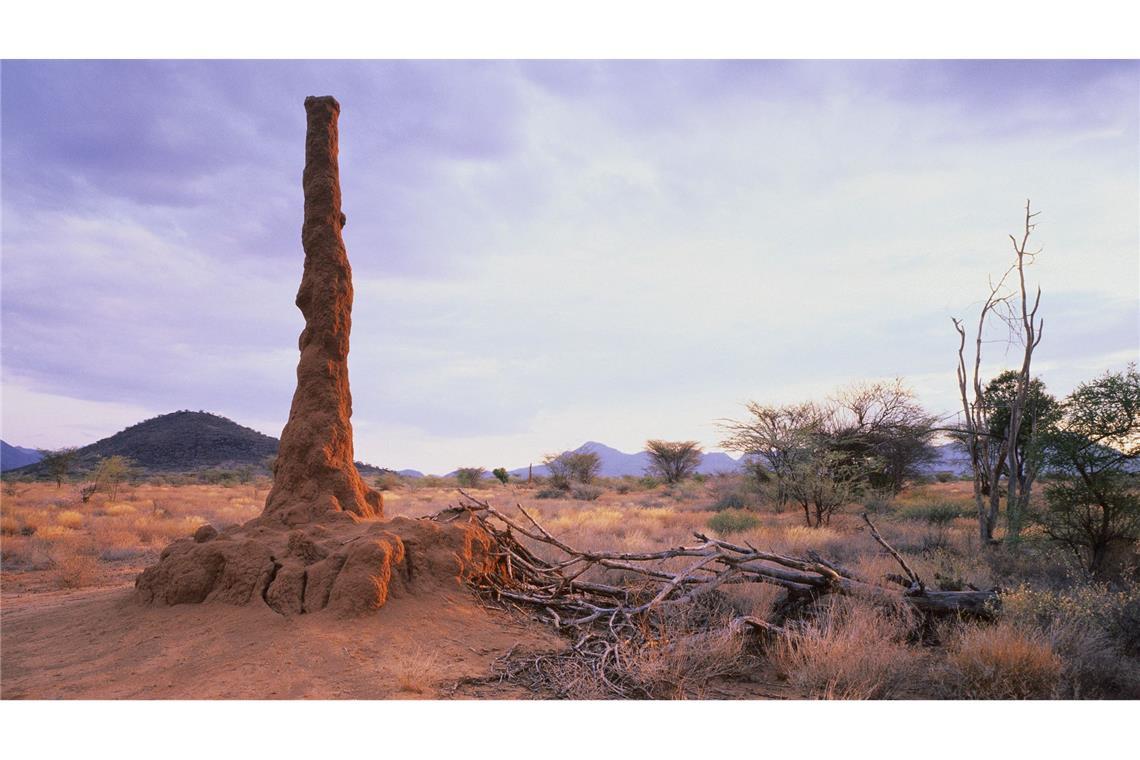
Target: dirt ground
102, 644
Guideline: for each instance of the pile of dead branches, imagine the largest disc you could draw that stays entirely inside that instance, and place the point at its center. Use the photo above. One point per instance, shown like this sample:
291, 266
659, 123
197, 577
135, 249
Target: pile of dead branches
605, 619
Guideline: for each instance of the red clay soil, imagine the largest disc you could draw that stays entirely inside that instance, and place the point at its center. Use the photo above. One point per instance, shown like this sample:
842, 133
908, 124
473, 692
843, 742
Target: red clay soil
105, 644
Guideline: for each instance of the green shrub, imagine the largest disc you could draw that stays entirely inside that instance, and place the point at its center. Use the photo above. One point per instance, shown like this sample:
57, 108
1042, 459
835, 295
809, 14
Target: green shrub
501, 474
470, 477
733, 521
585, 491
936, 513
387, 481
730, 500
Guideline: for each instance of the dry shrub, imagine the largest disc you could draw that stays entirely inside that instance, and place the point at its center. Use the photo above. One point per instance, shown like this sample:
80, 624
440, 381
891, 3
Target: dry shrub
850, 649
53, 532
116, 509
1000, 661
23, 553
681, 663
1092, 666
73, 569
69, 518
9, 526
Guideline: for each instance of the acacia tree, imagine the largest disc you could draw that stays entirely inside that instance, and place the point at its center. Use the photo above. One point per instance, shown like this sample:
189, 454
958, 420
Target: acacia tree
883, 430
58, 463
773, 438
110, 472
572, 467
673, 461
989, 453
1095, 506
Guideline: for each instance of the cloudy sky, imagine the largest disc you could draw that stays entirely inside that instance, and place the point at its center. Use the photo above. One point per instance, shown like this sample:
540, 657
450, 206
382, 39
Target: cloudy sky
551, 252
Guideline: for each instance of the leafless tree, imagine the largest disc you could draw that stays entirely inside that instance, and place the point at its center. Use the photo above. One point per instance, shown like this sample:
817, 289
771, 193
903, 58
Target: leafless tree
988, 454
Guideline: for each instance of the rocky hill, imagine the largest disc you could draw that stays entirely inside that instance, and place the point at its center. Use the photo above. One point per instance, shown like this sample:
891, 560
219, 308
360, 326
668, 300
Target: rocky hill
181, 442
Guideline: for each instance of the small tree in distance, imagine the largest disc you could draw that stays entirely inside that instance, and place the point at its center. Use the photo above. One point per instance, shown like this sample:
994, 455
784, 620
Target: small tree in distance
58, 463
469, 477
572, 467
501, 474
673, 461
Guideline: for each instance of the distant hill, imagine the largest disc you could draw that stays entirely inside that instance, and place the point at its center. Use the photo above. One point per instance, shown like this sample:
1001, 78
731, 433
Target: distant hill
616, 463
12, 457
182, 442
949, 457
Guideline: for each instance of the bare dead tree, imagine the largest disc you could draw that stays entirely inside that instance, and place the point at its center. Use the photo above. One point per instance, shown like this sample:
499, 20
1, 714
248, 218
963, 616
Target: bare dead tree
1027, 326
990, 455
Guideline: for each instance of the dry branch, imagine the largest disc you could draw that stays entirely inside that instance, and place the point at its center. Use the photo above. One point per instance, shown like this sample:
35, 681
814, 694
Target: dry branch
558, 586
605, 620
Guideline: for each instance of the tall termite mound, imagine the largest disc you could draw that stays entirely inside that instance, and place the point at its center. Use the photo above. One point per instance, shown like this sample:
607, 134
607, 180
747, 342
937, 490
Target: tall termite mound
314, 473
319, 543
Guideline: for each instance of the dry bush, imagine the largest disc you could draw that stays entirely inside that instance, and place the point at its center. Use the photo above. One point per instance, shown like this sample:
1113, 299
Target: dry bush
71, 568
9, 526
53, 532
1000, 661
69, 518
850, 649
23, 553
1092, 666
681, 664
680, 658
117, 509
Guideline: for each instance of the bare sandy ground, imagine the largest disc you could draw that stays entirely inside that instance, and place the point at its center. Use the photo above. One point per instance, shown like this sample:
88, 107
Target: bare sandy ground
102, 644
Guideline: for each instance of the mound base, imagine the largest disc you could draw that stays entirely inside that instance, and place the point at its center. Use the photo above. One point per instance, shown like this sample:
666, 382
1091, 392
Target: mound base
348, 567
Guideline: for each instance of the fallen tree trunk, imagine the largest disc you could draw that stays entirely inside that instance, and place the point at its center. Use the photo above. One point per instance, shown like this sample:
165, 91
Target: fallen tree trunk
611, 622
557, 587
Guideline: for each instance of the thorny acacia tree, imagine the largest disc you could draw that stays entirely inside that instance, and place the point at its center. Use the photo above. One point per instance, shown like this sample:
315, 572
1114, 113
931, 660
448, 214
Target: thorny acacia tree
774, 437
58, 463
990, 454
1094, 506
673, 461
881, 428
572, 467
821, 456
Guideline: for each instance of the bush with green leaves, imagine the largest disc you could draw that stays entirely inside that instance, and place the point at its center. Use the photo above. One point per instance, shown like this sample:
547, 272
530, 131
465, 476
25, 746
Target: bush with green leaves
673, 461
501, 474
585, 491
939, 513
572, 467
733, 521
1095, 509
469, 477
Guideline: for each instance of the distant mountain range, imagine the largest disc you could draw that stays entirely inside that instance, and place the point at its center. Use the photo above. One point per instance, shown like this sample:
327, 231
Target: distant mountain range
186, 441
616, 464
12, 457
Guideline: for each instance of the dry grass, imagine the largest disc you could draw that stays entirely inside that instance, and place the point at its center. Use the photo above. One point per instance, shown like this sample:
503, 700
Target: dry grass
1058, 636
849, 650
416, 671
1001, 661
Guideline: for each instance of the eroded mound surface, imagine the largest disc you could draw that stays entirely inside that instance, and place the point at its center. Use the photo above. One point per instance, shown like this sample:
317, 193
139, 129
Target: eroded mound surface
346, 566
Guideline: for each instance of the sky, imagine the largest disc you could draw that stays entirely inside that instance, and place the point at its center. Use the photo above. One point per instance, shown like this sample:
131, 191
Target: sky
550, 252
